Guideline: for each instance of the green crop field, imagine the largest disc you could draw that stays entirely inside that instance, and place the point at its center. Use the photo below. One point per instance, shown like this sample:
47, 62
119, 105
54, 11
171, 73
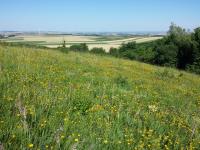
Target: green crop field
54, 100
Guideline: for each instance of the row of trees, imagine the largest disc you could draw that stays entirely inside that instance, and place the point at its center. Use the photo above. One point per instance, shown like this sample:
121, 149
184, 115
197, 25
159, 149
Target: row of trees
179, 49
81, 48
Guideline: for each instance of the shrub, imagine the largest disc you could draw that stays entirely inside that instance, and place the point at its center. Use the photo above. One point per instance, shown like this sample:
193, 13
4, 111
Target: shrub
166, 55
114, 52
195, 67
79, 47
97, 50
63, 49
127, 46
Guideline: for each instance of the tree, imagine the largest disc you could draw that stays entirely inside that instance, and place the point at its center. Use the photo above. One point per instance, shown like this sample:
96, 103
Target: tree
195, 66
196, 35
114, 52
97, 50
186, 53
166, 55
63, 47
126, 50
79, 47
186, 47
128, 46
175, 33
64, 44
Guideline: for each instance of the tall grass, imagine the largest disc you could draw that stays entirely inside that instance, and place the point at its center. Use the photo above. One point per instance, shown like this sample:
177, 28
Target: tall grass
52, 100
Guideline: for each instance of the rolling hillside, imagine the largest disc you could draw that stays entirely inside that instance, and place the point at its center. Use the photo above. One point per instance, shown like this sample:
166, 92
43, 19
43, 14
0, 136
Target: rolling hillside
52, 100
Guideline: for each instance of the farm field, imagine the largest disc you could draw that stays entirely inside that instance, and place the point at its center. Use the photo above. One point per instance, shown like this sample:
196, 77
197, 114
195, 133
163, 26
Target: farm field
54, 100
105, 42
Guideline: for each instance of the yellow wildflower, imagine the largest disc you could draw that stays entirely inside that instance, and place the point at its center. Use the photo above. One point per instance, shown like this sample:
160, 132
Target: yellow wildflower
62, 137
105, 141
76, 140
153, 108
30, 145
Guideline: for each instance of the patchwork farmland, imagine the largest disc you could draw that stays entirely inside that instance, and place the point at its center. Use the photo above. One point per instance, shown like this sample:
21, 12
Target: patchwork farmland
106, 42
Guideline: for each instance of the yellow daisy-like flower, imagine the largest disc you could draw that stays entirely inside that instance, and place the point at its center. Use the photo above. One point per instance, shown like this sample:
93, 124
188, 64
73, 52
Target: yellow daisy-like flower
76, 140
62, 137
30, 145
153, 108
105, 141
119, 142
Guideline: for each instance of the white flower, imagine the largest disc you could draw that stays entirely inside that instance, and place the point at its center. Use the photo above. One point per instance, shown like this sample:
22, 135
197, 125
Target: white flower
153, 108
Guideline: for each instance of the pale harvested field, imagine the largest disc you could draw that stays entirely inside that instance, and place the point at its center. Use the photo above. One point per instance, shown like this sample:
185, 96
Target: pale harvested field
105, 42
115, 44
147, 39
58, 38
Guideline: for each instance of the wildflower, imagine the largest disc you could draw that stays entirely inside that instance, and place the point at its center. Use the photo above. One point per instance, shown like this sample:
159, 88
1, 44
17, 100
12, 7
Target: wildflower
96, 108
76, 140
166, 147
30, 145
153, 108
105, 141
62, 137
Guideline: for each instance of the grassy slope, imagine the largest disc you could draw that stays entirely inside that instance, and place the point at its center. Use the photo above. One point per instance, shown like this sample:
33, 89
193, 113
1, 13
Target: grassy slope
76, 100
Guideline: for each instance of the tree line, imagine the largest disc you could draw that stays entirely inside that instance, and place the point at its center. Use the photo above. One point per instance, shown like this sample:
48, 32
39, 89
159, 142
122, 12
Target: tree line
178, 49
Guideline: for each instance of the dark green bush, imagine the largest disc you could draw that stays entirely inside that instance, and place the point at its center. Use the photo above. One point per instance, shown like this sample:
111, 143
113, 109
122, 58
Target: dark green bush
114, 52
63, 49
166, 55
79, 47
97, 50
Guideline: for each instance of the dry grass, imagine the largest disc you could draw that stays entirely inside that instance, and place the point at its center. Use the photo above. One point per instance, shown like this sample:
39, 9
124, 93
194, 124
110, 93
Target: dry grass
57, 38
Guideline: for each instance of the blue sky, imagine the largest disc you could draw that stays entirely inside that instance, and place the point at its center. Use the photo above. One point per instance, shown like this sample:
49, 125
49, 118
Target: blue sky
98, 15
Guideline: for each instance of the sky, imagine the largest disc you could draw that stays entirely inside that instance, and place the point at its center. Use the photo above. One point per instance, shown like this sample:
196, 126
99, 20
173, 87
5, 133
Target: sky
98, 15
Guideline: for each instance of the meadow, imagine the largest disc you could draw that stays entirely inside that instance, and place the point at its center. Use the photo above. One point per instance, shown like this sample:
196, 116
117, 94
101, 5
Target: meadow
55, 100
54, 41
